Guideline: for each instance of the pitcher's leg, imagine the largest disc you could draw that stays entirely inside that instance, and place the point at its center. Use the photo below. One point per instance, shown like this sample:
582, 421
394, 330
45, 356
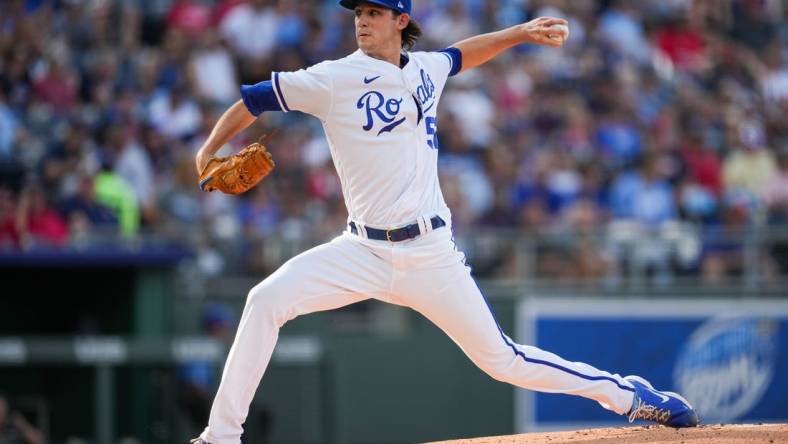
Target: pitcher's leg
324, 278
450, 299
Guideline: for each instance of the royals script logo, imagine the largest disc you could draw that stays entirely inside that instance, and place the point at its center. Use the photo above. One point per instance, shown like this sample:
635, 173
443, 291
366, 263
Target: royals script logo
380, 109
425, 92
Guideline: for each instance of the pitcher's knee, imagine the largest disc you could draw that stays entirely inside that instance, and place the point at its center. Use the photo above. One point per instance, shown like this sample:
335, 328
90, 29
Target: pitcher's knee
266, 302
500, 373
499, 366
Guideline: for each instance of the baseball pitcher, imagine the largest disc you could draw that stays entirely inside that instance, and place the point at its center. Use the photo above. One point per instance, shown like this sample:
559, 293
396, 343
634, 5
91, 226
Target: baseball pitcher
378, 108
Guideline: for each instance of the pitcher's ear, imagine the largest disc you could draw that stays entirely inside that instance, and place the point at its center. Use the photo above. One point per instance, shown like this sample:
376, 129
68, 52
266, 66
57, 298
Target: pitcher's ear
402, 21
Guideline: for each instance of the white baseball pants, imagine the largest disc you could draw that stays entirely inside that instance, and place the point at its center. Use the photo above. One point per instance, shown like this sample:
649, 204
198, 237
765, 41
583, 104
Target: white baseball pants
427, 274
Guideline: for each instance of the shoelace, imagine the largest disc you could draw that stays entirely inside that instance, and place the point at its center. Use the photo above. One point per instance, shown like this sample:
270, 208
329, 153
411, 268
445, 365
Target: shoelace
649, 413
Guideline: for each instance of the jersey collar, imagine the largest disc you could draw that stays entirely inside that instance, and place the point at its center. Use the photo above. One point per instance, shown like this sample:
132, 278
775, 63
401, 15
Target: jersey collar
404, 57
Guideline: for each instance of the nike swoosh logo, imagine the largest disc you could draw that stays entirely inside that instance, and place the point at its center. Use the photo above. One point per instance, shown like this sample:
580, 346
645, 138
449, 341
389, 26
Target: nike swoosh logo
664, 398
366, 80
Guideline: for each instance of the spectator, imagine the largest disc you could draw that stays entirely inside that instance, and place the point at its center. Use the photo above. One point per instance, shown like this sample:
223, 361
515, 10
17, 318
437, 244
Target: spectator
251, 29
755, 23
534, 216
772, 73
14, 428
683, 43
57, 86
192, 17
85, 216
260, 213
643, 205
563, 183
292, 28
37, 222
644, 195
502, 213
473, 110
775, 192
750, 165
180, 201
621, 27
586, 252
474, 185
213, 71
775, 198
8, 125
702, 164
66, 161
9, 236
174, 113
132, 164
116, 194
723, 251
618, 138
449, 25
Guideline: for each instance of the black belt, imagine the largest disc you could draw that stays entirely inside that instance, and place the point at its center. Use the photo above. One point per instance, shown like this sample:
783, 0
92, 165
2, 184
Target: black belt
397, 234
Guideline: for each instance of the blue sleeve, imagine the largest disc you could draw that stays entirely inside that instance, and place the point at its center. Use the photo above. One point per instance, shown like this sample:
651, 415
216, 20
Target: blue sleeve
456, 59
260, 97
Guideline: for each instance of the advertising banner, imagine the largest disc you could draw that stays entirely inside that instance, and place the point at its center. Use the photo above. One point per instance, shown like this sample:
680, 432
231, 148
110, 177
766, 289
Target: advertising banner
729, 358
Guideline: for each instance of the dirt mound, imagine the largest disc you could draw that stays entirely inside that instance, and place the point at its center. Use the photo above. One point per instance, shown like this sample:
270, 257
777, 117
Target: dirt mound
706, 434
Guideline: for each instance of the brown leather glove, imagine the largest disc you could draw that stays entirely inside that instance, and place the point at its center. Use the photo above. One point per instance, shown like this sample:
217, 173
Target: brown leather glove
238, 173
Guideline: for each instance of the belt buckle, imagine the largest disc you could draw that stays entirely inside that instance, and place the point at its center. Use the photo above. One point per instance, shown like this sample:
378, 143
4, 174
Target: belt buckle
388, 235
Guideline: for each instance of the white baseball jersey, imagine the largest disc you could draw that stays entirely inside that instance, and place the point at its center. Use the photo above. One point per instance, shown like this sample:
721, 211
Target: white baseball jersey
380, 124
383, 142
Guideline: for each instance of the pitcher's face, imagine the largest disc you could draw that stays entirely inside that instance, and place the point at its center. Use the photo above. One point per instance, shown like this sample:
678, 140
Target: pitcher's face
377, 27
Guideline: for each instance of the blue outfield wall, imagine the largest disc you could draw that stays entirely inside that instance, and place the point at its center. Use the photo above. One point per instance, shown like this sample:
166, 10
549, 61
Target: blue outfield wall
728, 358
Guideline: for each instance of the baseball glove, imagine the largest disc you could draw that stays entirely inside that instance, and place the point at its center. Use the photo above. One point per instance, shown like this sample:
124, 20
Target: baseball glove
238, 173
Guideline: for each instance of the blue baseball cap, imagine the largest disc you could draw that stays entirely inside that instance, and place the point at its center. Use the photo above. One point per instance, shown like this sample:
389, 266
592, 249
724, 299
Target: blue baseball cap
402, 6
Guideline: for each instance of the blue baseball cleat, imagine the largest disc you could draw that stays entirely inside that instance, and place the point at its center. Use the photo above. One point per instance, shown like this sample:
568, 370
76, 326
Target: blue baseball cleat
666, 408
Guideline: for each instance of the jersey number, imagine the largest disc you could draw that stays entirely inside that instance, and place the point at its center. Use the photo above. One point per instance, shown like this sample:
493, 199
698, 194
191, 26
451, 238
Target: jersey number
432, 130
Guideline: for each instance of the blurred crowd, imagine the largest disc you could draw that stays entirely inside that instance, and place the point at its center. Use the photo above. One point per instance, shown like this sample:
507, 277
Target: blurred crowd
656, 131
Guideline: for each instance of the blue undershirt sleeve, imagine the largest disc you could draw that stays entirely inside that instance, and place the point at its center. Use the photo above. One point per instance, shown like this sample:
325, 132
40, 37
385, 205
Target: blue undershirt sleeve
456, 59
260, 97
